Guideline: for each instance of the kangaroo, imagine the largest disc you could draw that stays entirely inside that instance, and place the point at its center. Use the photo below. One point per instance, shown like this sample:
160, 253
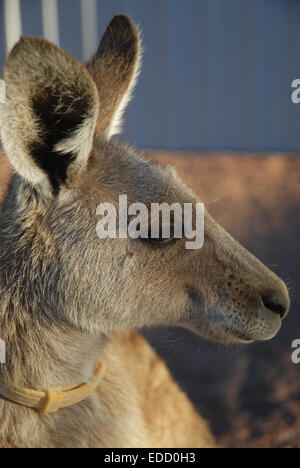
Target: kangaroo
70, 300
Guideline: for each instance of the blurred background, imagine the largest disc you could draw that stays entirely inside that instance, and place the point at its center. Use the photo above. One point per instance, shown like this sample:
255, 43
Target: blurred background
214, 99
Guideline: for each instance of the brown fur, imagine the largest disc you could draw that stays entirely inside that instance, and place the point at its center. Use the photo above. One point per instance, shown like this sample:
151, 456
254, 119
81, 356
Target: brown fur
69, 298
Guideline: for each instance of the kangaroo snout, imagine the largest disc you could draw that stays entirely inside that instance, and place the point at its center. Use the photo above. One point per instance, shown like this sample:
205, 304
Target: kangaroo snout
242, 300
261, 300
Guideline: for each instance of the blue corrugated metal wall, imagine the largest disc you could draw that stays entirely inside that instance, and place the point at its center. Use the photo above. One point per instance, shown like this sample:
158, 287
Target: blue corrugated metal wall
217, 73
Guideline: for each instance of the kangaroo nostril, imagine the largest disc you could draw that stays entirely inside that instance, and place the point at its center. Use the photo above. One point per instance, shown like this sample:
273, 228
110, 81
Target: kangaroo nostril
276, 304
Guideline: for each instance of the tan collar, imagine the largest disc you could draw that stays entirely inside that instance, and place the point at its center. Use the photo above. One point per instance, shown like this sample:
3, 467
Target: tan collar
54, 398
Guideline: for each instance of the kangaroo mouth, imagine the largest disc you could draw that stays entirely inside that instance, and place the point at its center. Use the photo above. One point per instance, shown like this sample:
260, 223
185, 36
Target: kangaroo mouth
258, 320
216, 327
223, 335
240, 336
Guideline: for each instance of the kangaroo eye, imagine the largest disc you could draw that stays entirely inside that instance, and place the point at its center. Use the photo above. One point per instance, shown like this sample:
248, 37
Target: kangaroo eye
159, 237
159, 240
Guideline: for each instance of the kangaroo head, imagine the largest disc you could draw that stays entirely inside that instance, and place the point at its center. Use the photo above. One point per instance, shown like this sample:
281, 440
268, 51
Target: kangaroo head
56, 126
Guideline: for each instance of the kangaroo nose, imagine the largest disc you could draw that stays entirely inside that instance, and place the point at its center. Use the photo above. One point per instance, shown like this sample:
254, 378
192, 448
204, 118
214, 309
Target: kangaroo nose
276, 304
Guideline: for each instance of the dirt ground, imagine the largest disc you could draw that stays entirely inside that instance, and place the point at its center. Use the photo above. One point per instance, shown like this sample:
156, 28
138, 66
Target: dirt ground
250, 395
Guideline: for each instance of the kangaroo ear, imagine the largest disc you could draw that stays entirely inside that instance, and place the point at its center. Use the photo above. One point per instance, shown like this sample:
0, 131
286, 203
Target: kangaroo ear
50, 114
115, 69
